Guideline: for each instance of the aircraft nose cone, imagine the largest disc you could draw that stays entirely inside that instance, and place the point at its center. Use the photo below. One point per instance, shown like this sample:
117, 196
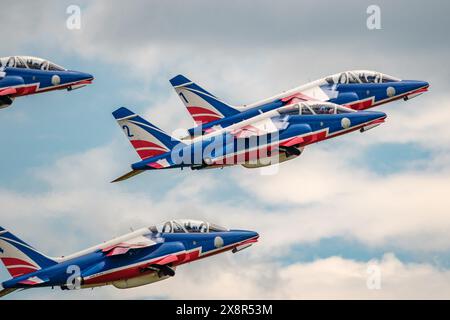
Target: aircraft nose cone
242, 239
423, 84
364, 117
249, 235
411, 85
85, 76
252, 234
409, 89
244, 235
375, 115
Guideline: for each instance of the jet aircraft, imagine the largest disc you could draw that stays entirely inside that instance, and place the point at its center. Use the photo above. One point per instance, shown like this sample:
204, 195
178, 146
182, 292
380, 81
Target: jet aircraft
23, 75
358, 90
138, 258
267, 138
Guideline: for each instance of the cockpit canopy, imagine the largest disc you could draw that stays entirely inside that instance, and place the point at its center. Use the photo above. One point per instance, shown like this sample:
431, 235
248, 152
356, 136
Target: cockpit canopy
360, 76
27, 62
187, 226
314, 108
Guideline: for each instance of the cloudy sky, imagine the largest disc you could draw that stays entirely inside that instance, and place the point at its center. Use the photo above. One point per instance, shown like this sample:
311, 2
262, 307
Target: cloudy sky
363, 202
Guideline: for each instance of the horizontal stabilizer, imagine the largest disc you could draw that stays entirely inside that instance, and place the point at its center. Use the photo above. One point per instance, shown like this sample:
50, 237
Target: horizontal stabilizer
32, 281
4, 292
128, 175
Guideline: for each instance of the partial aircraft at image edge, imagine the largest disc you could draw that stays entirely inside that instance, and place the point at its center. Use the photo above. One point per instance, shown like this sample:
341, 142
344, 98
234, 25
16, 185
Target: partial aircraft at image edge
138, 258
25, 75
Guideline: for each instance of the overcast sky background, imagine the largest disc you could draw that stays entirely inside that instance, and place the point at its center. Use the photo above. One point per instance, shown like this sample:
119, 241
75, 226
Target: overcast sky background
378, 198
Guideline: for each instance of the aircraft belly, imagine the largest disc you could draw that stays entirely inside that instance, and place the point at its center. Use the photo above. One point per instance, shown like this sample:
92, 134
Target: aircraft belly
244, 156
138, 281
282, 157
107, 276
95, 285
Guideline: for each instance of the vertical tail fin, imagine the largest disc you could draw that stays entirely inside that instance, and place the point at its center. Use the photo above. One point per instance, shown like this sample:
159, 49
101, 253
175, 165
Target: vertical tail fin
147, 139
20, 258
202, 105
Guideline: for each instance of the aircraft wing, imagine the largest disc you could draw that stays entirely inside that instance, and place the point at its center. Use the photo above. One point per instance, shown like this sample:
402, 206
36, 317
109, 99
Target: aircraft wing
7, 91
301, 130
163, 267
297, 97
260, 128
292, 142
168, 259
132, 244
315, 93
31, 281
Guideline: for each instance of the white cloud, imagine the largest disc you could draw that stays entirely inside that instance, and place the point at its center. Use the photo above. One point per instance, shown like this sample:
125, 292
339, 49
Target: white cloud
421, 121
323, 194
337, 278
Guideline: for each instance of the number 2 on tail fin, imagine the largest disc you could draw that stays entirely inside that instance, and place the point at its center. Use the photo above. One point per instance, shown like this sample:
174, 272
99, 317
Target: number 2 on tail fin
128, 132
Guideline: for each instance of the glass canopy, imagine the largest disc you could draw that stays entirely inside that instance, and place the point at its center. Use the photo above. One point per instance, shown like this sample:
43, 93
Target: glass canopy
27, 62
313, 108
360, 76
187, 226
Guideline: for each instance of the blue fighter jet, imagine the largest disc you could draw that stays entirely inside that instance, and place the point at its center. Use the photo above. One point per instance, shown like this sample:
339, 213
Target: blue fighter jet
138, 258
264, 139
358, 90
23, 75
